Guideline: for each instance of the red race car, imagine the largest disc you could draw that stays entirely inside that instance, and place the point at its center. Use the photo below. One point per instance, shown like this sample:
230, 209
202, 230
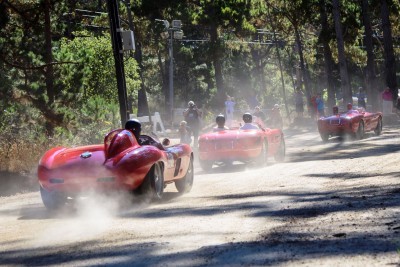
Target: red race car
118, 164
352, 122
241, 145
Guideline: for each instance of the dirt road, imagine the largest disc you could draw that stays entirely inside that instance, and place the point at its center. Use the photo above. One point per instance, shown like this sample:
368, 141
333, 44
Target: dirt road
332, 204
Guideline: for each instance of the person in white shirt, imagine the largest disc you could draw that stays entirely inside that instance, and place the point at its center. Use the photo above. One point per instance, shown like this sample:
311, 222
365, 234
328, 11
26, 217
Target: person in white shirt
229, 109
220, 120
248, 122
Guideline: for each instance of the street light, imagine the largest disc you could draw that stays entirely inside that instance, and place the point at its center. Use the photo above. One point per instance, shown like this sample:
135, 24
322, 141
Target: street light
173, 31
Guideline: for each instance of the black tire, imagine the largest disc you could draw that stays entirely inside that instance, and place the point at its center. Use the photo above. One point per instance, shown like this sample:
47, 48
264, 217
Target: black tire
324, 137
378, 129
184, 185
52, 200
153, 184
360, 131
206, 165
280, 154
263, 157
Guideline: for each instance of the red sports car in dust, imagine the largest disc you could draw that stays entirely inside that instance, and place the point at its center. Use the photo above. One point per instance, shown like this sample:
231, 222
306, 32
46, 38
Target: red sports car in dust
118, 164
241, 145
352, 122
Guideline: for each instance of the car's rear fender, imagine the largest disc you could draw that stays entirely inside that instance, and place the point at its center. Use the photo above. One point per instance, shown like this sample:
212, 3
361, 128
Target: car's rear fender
50, 155
133, 164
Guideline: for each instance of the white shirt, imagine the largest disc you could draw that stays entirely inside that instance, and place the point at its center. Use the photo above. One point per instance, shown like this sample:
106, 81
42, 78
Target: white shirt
249, 126
229, 104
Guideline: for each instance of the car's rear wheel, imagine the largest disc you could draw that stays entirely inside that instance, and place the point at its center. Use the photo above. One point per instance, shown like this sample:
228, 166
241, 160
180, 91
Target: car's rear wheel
263, 157
153, 184
206, 165
280, 154
184, 185
378, 129
360, 131
52, 200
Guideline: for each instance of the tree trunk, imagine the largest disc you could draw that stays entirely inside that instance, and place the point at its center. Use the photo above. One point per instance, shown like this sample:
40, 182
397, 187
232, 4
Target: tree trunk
216, 57
259, 65
390, 62
304, 72
164, 70
48, 56
143, 107
345, 81
328, 60
371, 85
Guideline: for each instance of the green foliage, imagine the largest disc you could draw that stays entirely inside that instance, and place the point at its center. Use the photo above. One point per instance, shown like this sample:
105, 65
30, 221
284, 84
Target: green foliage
222, 44
90, 69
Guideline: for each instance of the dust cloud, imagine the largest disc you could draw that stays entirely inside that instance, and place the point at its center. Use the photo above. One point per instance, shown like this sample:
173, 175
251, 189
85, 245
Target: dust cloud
86, 218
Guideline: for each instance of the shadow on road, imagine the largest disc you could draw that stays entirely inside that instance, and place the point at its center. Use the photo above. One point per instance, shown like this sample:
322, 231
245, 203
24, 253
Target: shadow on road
281, 245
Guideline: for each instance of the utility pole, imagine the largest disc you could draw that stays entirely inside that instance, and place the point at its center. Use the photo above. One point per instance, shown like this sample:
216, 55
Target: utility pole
115, 28
171, 76
171, 31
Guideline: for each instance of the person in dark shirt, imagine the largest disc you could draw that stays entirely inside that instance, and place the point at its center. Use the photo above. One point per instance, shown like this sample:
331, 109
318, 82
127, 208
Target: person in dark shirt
192, 116
361, 97
259, 114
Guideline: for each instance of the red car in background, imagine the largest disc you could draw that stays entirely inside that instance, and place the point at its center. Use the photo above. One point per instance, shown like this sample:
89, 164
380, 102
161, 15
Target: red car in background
118, 164
352, 122
241, 145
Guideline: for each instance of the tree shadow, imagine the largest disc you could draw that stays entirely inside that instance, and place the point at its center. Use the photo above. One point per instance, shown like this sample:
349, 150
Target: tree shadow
287, 242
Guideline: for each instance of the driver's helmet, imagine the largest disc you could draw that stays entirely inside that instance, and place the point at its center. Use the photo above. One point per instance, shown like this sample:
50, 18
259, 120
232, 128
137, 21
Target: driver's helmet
349, 106
247, 118
220, 119
191, 104
135, 126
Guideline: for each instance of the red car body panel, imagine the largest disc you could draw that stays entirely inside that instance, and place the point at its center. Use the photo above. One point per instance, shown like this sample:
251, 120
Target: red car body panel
348, 122
241, 145
119, 163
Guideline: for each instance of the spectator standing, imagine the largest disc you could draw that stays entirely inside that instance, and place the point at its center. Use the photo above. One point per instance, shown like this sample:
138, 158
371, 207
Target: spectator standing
398, 106
275, 119
361, 98
299, 102
259, 114
229, 110
313, 107
192, 116
387, 101
320, 105
185, 133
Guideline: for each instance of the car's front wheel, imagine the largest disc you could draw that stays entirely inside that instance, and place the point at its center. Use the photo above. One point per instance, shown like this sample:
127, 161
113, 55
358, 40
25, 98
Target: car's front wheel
378, 129
184, 185
52, 200
153, 184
